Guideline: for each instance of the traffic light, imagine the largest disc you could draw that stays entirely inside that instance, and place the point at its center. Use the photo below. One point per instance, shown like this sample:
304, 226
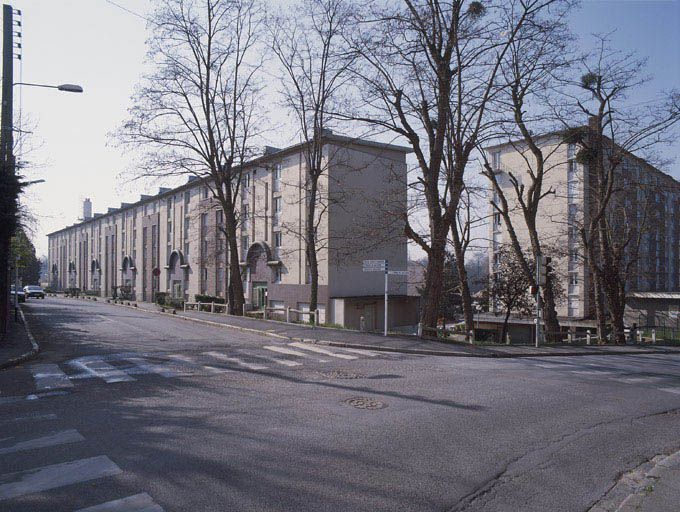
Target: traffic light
544, 269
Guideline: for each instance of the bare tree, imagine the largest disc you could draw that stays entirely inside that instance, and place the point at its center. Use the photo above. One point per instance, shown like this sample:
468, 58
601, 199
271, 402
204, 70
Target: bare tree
531, 79
198, 111
315, 59
429, 73
619, 212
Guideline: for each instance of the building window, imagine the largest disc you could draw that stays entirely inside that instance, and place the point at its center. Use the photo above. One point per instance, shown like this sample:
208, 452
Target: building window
205, 192
496, 160
245, 244
573, 279
219, 217
245, 215
276, 178
187, 199
574, 255
497, 219
277, 244
277, 211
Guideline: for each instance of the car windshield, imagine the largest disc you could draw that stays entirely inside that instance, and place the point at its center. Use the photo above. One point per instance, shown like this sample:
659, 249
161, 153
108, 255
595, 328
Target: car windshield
34, 288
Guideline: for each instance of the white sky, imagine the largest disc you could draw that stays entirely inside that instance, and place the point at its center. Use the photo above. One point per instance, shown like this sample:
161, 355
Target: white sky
101, 47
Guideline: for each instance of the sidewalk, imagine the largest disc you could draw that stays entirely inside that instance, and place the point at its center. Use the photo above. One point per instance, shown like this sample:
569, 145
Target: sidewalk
18, 346
651, 487
400, 343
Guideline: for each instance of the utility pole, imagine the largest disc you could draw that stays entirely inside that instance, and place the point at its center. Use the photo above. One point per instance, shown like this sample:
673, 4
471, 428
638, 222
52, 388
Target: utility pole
8, 202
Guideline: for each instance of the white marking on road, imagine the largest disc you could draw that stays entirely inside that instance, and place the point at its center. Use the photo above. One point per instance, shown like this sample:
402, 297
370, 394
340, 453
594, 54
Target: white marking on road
41, 479
96, 368
30, 417
313, 348
190, 361
290, 352
50, 376
670, 390
284, 362
137, 503
236, 360
158, 369
63, 437
358, 351
592, 372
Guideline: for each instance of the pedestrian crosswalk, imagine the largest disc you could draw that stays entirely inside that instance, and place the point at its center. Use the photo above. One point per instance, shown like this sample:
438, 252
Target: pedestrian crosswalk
130, 366
19, 488
614, 371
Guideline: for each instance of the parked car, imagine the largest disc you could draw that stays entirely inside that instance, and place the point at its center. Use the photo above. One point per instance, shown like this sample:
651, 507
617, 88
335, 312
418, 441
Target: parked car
21, 295
34, 291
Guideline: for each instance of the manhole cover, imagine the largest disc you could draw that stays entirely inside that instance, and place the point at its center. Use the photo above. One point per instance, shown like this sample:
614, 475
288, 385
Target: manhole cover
362, 402
340, 374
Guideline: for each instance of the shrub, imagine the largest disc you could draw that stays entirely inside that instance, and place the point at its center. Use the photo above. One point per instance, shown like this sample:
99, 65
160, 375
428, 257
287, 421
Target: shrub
72, 292
209, 298
162, 298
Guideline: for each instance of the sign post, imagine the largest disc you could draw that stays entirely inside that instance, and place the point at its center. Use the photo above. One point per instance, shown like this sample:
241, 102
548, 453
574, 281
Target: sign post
383, 266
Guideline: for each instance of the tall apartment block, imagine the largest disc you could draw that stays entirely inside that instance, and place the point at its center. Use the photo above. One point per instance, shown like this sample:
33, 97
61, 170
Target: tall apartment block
171, 242
650, 197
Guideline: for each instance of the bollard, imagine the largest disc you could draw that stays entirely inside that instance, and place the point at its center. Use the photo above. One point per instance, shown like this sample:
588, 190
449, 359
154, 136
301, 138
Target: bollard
316, 317
653, 336
264, 313
185, 307
507, 338
471, 337
569, 338
212, 307
639, 336
362, 324
244, 309
287, 314
420, 329
588, 341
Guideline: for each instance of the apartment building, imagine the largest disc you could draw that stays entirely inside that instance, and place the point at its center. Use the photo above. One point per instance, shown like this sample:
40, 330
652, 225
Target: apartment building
172, 242
650, 198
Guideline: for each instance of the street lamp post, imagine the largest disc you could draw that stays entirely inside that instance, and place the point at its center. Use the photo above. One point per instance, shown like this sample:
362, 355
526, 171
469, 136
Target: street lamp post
7, 178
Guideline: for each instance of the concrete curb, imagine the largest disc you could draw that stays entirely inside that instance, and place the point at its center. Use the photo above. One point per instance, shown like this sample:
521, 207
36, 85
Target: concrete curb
27, 356
413, 351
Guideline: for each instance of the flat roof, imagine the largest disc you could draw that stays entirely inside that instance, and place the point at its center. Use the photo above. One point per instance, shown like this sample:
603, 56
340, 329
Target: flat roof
270, 154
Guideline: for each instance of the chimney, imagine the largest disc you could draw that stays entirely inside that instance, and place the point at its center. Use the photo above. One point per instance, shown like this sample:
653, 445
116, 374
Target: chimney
87, 209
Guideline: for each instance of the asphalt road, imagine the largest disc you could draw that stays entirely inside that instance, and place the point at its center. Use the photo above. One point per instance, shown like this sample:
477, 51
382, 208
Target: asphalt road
149, 413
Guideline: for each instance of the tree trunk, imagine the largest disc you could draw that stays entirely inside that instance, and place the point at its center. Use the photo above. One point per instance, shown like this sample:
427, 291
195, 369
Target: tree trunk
504, 330
433, 285
552, 324
310, 239
235, 280
464, 286
4, 284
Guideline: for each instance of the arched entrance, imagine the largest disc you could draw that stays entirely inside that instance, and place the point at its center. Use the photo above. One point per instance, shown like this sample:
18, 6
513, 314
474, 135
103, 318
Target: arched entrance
258, 273
128, 274
95, 276
177, 275
71, 274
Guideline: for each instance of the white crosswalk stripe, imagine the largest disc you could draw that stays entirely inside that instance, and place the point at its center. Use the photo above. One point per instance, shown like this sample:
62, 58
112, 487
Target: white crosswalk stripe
191, 362
291, 352
13, 485
671, 390
97, 368
314, 348
158, 369
240, 362
137, 503
56, 438
49, 376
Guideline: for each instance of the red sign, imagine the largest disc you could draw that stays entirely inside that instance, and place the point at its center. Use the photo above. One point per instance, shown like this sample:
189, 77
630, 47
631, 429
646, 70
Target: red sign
156, 272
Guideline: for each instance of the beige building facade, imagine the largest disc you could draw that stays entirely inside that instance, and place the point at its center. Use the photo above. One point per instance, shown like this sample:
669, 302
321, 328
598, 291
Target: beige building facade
565, 210
171, 242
